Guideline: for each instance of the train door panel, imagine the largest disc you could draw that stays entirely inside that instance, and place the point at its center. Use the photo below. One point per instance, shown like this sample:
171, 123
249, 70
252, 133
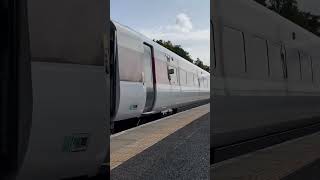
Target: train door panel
201, 83
275, 62
149, 80
294, 71
316, 74
113, 71
8, 87
162, 81
183, 96
256, 58
196, 84
306, 68
191, 89
233, 52
69, 88
174, 85
15, 86
173, 76
306, 72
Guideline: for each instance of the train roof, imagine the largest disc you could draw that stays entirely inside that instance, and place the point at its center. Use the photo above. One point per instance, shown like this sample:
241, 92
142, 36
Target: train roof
250, 16
158, 46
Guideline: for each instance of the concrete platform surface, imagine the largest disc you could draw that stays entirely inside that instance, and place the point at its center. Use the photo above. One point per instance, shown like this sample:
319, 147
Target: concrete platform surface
310, 172
127, 144
276, 162
185, 154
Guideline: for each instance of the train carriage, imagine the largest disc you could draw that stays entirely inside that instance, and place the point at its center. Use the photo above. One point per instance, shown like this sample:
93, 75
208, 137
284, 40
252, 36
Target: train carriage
151, 78
54, 118
266, 74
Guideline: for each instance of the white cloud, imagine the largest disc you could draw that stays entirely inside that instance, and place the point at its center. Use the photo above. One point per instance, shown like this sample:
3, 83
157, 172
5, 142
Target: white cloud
193, 36
183, 23
195, 41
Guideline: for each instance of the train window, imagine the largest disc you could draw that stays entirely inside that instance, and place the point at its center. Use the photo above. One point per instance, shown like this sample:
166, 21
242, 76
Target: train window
312, 74
63, 42
147, 58
316, 73
257, 58
130, 64
196, 80
190, 79
172, 75
183, 77
275, 62
205, 83
161, 70
233, 51
293, 63
306, 69
201, 80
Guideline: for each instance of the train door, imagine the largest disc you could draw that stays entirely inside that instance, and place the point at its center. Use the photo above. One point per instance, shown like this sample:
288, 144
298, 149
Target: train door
114, 73
283, 54
149, 78
15, 86
8, 86
70, 119
173, 75
198, 84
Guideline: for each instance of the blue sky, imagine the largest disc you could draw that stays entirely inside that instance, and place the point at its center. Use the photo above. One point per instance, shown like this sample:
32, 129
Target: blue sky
184, 22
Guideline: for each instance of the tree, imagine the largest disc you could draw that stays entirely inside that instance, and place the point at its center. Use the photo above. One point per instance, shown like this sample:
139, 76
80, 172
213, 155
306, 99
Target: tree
262, 2
176, 49
200, 64
311, 22
289, 9
181, 52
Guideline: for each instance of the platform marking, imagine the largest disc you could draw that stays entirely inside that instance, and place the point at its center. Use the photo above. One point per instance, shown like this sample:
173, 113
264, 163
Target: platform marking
128, 144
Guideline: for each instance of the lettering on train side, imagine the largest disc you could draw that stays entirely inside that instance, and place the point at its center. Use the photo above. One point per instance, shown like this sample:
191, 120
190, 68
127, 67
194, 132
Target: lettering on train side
75, 143
133, 107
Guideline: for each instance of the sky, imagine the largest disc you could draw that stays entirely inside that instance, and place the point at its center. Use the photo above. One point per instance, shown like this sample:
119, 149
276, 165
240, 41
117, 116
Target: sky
183, 22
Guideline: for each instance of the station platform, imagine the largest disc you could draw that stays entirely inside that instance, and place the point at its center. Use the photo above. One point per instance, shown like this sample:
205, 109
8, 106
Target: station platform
291, 160
175, 147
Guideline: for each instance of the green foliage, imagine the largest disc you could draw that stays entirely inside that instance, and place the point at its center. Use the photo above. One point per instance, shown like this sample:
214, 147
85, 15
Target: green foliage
176, 49
199, 63
263, 2
181, 52
289, 9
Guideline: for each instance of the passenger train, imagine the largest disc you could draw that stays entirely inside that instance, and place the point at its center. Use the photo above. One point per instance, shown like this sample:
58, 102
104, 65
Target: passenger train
54, 119
266, 74
149, 78
58, 60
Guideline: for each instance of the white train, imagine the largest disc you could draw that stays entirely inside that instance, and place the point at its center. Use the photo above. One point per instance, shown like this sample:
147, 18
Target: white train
55, 79
149, 78
54, 118
266, 73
